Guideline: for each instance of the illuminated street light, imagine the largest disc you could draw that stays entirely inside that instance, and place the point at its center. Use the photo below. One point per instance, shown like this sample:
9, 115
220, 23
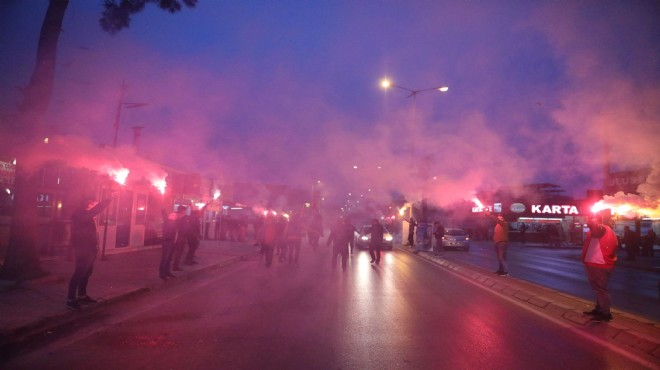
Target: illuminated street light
386, 84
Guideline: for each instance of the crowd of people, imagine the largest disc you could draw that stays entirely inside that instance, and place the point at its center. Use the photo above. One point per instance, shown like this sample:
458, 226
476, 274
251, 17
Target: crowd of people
282, 235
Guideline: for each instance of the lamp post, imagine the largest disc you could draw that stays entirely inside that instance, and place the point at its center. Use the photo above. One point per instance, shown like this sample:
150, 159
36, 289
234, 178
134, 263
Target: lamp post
386, 84
121, 104
316, 196
425, 164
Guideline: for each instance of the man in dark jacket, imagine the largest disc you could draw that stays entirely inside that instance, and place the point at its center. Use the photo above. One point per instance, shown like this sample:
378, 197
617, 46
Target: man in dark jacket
376, 241
341, 235
85, 243
172, 234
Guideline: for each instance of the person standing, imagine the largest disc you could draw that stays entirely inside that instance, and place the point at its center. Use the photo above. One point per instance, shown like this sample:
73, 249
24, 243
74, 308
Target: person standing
170, 236
193, 233
268, 237
523, 233
501, 243
630, 241
439, 233
182, 227
294, 235
599, 257
376, 242
340, 237
85, 244
648, 243
315, 230
412, 224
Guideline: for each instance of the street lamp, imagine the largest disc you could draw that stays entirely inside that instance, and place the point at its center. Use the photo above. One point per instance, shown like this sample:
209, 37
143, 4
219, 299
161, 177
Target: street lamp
386, 84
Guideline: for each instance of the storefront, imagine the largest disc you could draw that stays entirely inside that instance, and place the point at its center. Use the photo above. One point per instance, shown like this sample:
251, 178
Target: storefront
540, 223
132, 220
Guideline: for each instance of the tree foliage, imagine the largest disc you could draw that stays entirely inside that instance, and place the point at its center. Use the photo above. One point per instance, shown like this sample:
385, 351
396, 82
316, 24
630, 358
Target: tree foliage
117, 14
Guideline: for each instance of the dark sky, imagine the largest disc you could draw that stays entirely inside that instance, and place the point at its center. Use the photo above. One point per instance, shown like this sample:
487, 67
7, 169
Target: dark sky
289, 91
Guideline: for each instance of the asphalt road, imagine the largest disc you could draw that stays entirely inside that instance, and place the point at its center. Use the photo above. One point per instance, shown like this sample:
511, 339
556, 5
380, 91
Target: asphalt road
403, 314
633, 289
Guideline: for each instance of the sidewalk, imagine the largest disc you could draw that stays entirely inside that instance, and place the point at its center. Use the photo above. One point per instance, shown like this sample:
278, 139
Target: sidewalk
37, 306
627, 332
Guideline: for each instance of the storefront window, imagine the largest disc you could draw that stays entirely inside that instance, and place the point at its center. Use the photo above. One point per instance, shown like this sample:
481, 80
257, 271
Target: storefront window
110, 213
141, 209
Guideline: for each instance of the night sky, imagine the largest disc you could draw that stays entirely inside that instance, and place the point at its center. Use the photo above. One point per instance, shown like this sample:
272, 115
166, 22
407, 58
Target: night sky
288, 92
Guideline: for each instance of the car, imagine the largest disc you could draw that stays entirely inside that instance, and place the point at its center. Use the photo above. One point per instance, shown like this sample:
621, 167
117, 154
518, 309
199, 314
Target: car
456, 239
363, 237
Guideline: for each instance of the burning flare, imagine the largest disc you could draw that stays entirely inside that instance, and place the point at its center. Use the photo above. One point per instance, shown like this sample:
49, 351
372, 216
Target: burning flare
628, 205
119, 175
159, 184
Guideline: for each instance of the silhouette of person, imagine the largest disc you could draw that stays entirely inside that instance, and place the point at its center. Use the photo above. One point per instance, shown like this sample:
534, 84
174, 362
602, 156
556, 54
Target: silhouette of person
599, 257
341, 235
85, 242
376, 241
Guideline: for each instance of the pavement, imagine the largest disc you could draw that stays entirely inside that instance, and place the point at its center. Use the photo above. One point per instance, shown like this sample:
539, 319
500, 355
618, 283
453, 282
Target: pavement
36, 308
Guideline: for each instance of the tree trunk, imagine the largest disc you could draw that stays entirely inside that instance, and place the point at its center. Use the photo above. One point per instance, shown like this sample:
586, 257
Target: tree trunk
36, 96
22, 259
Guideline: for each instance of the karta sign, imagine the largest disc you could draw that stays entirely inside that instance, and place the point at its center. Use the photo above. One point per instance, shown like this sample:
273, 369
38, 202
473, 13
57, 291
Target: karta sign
553, 209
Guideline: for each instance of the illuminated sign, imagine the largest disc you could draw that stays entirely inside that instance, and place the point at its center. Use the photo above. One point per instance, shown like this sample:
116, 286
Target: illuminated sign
554, 209
517, 208
7, 173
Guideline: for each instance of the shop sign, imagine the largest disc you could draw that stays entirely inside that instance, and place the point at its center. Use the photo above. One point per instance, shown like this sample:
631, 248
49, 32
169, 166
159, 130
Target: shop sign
517, 208
547, 209
626, 181
7, 173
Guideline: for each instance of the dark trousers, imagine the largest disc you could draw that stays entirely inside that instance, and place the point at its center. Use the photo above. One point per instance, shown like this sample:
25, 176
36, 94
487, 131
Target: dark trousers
313, 239
294, 250
84, 266
267, 251
179, 246
598, 279
500, 250
374, 252
340, 250
192, 247
166, 258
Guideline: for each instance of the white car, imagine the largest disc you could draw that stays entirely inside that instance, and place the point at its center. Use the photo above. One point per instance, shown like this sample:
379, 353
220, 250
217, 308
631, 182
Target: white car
456, 239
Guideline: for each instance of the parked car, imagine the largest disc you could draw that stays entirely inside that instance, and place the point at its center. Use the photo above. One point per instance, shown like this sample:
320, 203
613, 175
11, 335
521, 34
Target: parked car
456, 239
363, 237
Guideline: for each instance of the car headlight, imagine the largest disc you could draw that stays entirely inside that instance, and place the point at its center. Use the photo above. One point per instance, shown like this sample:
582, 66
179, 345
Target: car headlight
388, 238
364, 238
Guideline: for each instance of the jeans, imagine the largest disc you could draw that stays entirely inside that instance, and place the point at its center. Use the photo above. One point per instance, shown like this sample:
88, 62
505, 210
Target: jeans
84, 266
598, 279
340, 250
166, 258
500, 250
